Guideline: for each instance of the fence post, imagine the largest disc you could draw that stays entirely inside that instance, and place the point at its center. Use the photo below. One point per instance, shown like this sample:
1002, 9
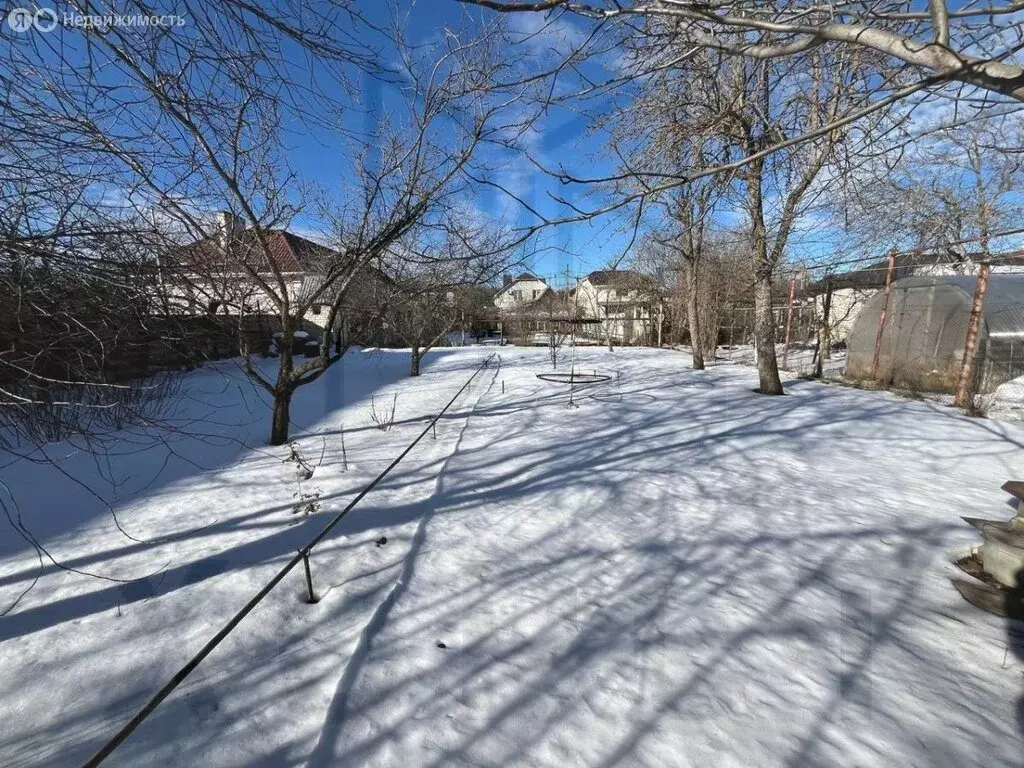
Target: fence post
309, 579
789, 321
882, 314
964, 387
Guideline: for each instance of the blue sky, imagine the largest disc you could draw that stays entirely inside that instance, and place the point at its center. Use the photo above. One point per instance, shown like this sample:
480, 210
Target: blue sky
561, 136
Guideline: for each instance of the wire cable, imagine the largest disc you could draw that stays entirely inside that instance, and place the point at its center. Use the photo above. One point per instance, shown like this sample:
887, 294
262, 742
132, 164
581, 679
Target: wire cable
129, 727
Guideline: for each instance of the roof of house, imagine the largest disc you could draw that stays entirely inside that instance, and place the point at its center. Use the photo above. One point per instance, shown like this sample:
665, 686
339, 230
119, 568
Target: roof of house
623, 279
290, 253
611, 276
285, 250
872, 277
526, 276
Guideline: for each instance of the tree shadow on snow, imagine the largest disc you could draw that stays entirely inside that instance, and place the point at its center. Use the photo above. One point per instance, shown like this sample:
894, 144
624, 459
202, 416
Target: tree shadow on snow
650, 579
729, 613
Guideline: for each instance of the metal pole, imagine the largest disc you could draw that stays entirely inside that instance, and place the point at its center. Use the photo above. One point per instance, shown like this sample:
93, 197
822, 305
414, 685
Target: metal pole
789, 321
882, 314
235, 620
824, 339
309, 579
964, 386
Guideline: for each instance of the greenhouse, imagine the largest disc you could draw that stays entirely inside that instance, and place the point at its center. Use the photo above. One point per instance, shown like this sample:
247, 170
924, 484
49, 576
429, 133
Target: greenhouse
925, 333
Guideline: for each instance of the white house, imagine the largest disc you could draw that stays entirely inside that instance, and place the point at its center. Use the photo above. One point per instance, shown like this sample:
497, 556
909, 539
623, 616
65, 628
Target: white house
624, 302
209, 276
519, 293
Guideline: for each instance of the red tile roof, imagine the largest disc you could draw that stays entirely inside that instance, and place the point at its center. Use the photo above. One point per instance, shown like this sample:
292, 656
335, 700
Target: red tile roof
286, 251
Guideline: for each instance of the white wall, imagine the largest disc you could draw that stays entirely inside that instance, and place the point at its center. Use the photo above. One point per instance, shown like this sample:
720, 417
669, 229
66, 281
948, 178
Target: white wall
519, 294
194, 296
846, 305
622, 311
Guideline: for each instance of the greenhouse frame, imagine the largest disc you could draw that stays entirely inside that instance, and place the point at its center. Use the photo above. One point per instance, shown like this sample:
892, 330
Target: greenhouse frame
925, 333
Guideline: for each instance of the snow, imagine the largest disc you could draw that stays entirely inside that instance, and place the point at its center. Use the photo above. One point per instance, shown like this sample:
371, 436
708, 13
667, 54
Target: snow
677, 572
1007, 402
799, 359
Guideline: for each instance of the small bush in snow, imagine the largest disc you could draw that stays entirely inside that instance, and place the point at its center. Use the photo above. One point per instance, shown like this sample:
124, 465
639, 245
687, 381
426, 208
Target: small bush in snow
978, 405
384, 417
308, 500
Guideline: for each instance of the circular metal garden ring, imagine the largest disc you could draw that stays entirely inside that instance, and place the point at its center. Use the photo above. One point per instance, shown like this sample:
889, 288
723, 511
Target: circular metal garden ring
574, 378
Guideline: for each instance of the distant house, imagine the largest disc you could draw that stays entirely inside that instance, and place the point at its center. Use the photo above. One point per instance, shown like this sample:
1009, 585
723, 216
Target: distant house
518, 293
624, 302
214, 275
522, 304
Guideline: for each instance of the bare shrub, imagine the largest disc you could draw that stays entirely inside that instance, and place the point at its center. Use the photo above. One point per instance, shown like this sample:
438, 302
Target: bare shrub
384, 417
344, 452
36, 415
308, 498
978, 405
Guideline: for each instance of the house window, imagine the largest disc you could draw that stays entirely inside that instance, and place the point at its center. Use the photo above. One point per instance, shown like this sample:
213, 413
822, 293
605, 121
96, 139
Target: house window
315, 309
536, 293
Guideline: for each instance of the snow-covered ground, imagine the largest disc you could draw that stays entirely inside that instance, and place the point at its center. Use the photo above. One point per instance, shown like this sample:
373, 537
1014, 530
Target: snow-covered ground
1007, 402
798, 359
677, 572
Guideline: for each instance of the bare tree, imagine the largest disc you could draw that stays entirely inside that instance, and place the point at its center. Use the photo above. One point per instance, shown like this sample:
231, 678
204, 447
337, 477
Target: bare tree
949, 194
690, 212
972, 44
204, 133
435, 278
663, 132
411, 178
560, 316
422, 314
712, 106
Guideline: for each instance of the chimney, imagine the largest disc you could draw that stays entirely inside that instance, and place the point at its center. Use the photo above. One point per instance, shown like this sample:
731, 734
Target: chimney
506, 281
229, 226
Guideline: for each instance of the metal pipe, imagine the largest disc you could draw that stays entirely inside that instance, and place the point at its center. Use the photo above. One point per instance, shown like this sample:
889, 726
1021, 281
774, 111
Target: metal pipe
234, 621
309, 580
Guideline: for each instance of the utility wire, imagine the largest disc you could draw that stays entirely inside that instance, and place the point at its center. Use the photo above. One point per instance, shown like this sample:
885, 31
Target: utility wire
235, 620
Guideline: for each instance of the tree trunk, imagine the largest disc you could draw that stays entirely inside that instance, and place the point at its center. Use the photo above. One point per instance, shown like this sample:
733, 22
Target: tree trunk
283, 389
764, 336
280, 418
414, 364
692, 319
764, 320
